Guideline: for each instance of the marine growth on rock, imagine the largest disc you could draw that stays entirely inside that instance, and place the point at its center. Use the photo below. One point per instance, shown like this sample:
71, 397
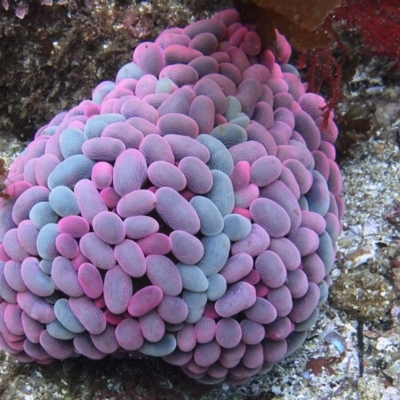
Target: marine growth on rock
188, 211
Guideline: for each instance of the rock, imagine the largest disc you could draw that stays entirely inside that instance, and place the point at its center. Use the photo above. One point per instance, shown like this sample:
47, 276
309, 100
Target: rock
365, 295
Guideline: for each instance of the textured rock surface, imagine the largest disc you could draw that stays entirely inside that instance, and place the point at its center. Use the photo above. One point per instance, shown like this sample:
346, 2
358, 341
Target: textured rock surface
365, 295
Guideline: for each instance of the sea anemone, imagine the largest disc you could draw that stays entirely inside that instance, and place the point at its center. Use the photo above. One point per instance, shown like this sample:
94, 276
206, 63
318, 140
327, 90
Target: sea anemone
188, 211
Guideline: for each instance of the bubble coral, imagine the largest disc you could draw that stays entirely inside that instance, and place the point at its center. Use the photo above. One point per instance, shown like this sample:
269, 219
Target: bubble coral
188, 211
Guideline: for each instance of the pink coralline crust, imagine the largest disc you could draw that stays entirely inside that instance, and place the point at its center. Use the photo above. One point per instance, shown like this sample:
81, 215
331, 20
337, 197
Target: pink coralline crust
188, 210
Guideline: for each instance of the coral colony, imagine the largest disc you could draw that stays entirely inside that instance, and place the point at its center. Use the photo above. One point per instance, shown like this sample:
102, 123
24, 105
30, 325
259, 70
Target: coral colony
188, 211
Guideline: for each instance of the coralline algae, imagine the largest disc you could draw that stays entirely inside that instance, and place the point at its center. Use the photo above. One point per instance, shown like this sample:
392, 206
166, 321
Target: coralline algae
188, 211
